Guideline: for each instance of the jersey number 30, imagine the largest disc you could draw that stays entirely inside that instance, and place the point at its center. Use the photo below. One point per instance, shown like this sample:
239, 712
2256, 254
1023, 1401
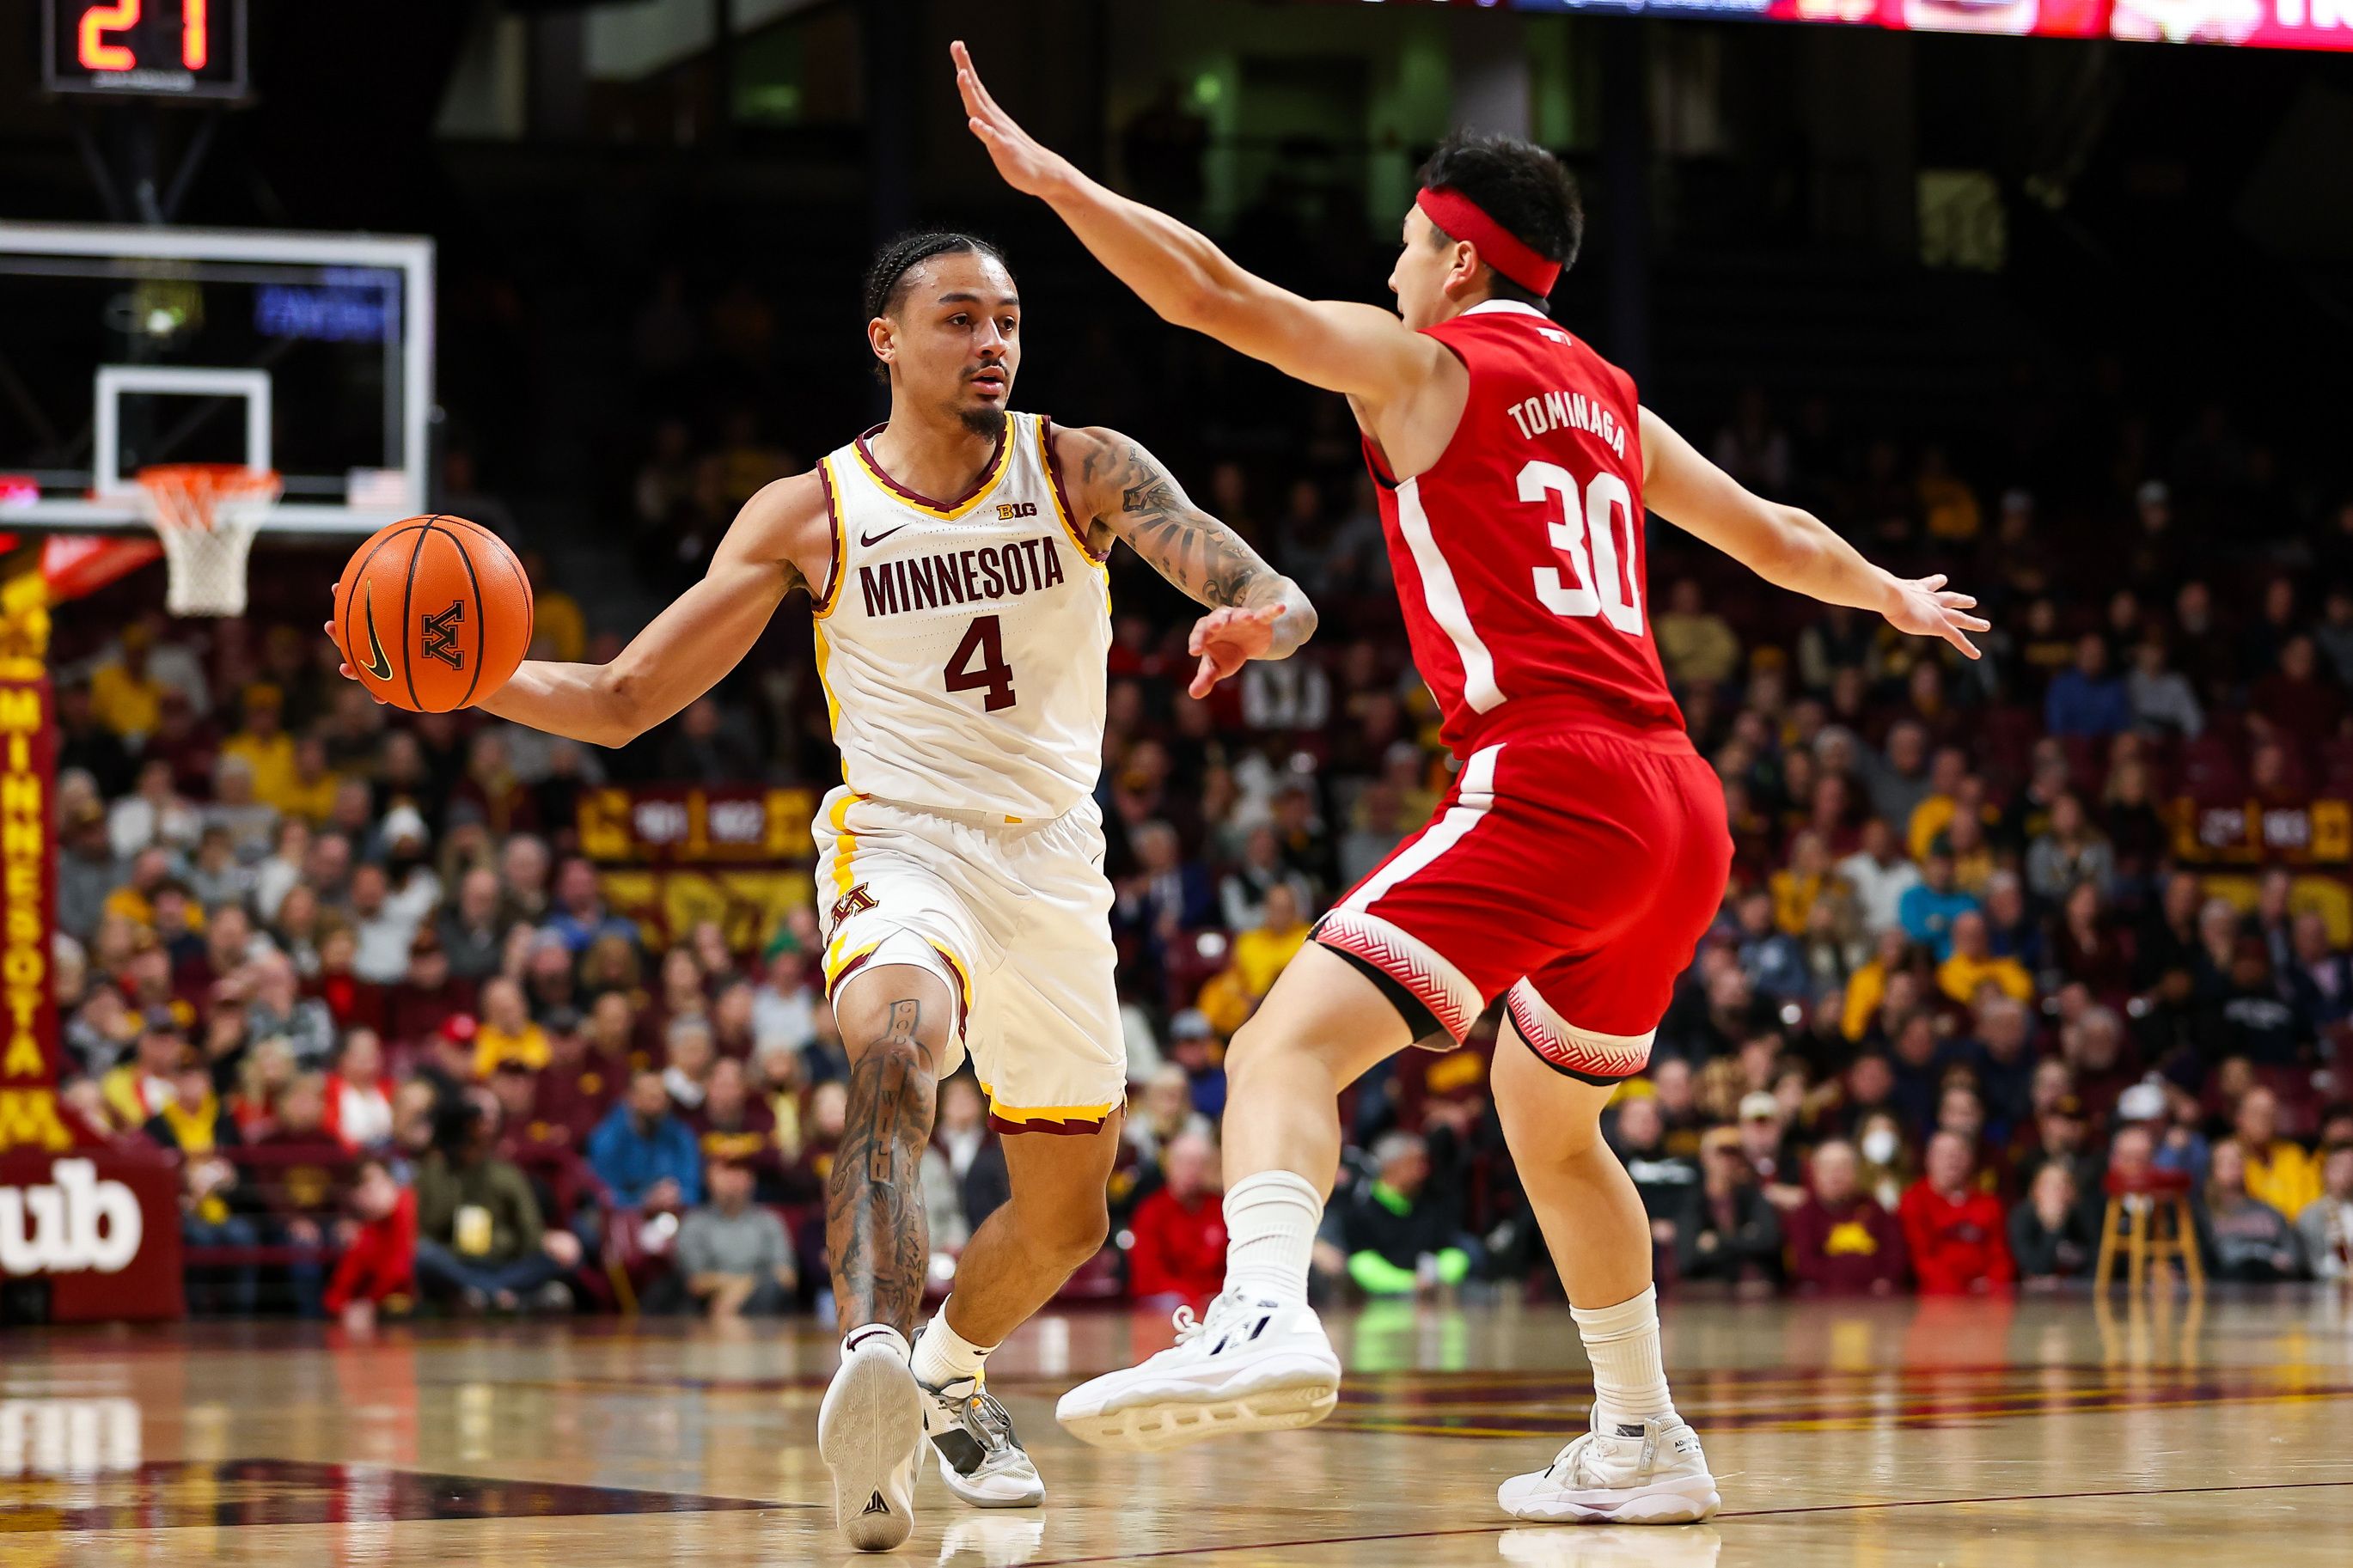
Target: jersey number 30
1588, 535
978, 664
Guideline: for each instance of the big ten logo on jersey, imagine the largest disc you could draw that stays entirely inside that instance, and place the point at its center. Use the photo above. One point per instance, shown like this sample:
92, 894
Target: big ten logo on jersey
961, 577
1008, 511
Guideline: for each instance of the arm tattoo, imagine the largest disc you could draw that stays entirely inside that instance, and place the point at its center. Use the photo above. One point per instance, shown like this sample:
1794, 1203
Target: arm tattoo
1198, 552
874, 1220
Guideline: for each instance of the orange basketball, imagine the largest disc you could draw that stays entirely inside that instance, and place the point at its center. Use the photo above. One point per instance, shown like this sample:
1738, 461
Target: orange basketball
434, 613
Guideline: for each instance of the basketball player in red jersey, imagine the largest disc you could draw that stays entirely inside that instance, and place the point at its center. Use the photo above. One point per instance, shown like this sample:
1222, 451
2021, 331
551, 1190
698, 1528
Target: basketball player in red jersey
1582, 851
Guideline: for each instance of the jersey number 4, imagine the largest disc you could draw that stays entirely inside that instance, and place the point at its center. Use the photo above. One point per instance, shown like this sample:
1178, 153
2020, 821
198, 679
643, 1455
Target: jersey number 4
978, 664
1588, 535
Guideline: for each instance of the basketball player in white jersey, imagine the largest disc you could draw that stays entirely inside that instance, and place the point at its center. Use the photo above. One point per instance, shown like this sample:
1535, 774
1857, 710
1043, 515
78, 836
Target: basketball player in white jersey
955, 559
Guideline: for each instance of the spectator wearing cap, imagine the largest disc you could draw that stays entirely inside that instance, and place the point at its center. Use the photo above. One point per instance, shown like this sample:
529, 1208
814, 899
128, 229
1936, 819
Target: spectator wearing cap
1178, 1254
1398, 1232
2325, 1224
783, 1005
264, 743
1193, 1046
427, 992
644, 1152
580, 916
1954, 1230
1842, 1242
2277, 1171
137, 1090
1772, 1154
507, 1031
1926, 912
1971, 964
1727, 1230
359, 1094
733, 1255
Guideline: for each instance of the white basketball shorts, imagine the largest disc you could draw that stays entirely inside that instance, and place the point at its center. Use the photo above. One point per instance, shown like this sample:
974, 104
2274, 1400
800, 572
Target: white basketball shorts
1014, 917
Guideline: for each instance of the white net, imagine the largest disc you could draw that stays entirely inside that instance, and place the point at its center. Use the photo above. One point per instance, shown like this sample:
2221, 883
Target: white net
206, 514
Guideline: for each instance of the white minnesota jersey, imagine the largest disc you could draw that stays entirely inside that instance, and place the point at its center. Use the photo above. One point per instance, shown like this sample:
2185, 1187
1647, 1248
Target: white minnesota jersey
962, 646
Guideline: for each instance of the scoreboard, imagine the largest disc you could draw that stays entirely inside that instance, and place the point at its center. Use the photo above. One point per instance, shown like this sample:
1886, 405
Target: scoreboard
144, 49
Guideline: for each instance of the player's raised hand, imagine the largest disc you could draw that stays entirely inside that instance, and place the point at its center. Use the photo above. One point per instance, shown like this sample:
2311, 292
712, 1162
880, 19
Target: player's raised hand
1926, 609
1226, 639
1027, 166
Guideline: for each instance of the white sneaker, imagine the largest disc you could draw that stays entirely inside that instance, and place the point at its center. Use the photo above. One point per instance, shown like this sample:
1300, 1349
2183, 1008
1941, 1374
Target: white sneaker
1653, 1474
980, 1458
1250, 1366
870, 1432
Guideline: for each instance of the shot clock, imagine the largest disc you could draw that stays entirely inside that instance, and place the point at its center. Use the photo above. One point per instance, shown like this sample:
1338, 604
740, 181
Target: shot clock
144, 49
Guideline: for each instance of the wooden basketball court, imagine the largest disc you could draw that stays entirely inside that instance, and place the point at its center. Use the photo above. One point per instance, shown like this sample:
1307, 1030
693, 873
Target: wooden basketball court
2041, 1432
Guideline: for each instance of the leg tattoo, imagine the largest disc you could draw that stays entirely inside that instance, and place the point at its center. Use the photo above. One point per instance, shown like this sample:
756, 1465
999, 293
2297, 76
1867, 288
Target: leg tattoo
874, 1203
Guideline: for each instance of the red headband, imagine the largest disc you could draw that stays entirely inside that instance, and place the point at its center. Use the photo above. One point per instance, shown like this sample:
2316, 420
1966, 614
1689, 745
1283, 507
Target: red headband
1462, 218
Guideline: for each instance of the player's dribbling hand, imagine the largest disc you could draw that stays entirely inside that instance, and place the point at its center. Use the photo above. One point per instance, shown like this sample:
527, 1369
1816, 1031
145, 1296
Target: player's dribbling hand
1027, 166
1925, 608
1226, 639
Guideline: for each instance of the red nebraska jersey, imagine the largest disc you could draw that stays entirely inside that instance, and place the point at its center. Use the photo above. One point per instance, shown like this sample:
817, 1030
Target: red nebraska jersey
1519, 552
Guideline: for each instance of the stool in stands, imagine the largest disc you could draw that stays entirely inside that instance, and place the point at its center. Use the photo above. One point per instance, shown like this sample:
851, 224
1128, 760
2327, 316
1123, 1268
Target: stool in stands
2145, 1197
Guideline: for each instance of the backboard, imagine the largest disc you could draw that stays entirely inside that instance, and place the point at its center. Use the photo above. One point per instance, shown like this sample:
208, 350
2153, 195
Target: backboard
122, 347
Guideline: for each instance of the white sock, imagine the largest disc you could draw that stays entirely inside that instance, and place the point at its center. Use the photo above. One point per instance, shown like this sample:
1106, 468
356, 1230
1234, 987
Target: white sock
1630, 1383
943, 1356
1271, 1221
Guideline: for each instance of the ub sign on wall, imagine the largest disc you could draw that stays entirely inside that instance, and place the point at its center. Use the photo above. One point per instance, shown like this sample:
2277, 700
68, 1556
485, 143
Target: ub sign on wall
74, 1222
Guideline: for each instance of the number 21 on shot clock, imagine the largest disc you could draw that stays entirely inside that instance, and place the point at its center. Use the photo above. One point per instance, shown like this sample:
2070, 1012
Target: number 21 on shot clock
144, 49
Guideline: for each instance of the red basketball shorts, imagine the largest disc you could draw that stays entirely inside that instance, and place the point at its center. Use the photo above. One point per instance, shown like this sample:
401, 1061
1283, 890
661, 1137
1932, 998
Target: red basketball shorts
1575, 870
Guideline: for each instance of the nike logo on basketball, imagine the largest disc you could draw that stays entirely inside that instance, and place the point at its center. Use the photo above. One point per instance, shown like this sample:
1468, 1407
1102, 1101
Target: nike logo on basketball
867, 541
376, 663
875, 1505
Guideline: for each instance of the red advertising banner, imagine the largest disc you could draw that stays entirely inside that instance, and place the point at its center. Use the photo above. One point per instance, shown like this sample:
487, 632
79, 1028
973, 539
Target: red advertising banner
102, 1223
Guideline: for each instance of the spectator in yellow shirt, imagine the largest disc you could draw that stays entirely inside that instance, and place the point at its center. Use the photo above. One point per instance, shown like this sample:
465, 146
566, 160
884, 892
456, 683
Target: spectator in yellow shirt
1934, 813
1699, 648
1807, 878
1260, 955
2279, 1172
125, 695
264, 743
310, 791
555, 615
507, 1033
1973, 965
1947, 503
1866, 988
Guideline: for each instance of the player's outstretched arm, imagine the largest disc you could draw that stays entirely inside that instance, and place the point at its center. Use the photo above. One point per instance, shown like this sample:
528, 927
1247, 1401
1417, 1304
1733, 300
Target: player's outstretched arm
1255, 612
1789, 547
1357, 348
704, 633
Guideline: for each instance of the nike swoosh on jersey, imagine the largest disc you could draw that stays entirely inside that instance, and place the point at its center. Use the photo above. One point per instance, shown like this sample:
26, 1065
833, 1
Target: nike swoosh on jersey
864, 543
376, 665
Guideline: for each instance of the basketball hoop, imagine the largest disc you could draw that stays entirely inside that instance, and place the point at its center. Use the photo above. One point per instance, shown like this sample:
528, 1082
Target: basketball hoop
206, 515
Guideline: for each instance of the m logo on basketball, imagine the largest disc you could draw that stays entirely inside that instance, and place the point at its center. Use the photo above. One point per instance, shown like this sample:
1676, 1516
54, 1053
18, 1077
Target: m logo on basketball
440, 635
855, 901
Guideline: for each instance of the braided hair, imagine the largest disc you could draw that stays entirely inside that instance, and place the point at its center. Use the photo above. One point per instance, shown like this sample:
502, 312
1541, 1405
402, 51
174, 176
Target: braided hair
886, 280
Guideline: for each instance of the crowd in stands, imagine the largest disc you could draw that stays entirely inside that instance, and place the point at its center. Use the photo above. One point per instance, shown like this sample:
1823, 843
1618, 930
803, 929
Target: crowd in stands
350, 964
